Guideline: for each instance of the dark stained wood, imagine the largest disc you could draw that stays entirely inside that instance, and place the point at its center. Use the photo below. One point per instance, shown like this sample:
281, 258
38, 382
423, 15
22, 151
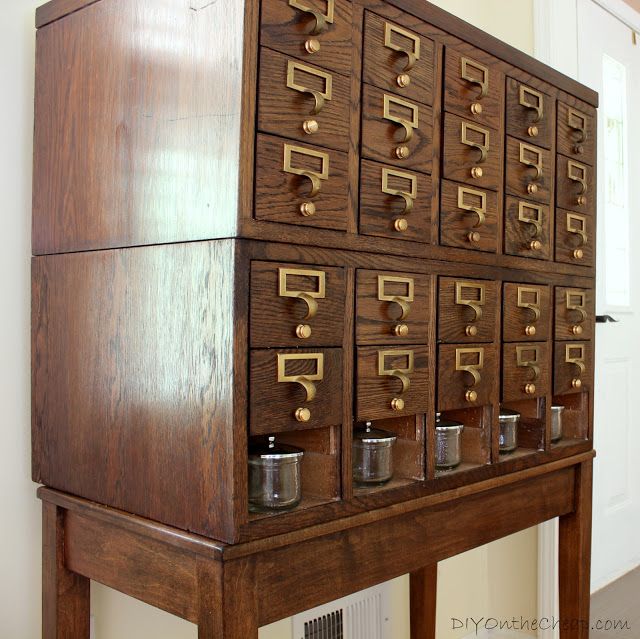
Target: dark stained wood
65, 594
521, 382
423, 585
287, 29
568, 377
519, 323
570, 323
521, 236
56, 9
578, 145
572, 246
525, 122
572, 194
521, 179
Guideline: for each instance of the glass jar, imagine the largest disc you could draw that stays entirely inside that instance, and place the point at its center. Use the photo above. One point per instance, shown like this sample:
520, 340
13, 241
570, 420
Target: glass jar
556, 423
509, 420
372, 454
274, 476
448, 443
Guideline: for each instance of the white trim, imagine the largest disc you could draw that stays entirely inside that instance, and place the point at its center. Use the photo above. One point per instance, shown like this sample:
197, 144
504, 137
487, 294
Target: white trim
554, 43
621, 11
548, 592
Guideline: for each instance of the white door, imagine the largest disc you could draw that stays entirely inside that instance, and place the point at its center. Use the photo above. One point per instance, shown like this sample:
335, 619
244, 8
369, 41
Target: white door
609, 61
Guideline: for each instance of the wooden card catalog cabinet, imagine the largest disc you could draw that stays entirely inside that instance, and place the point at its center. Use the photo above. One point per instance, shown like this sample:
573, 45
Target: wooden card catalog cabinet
318, 214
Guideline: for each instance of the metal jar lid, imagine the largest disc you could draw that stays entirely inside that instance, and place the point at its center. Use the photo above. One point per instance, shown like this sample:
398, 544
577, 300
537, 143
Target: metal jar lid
508, 415
369, 435
557, 409
445, 424
271, 450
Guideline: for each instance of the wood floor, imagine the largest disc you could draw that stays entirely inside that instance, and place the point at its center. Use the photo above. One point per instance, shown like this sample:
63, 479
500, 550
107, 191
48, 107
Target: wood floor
620, 601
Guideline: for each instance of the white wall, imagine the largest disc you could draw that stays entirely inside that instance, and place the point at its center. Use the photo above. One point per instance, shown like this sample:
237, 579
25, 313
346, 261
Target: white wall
498, 580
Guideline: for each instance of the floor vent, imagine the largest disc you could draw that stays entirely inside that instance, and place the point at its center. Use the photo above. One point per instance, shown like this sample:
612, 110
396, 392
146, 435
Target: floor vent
363, 615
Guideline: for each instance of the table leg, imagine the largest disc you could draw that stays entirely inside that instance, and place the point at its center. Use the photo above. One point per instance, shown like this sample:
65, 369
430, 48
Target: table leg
424, 586
575, 559
65, 594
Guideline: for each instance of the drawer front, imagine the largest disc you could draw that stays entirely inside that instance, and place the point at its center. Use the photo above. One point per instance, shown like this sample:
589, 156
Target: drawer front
392, 307
576, 186
295, 389
526, 371
396, 130
398, 59
529, 171
467, 310
575, 313
301, 184
527, 229
573, 367
574, 238
577, 132
296, 305
302, 101
392, 381
467, 375
473, 86
526, 314
531, 114
394, 202
468, 217
289, 26
472, 153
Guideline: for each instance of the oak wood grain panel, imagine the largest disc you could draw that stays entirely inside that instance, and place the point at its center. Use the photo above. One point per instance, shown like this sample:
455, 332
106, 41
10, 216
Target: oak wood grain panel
380, 212
571, 323
520, 237
458, 226
280, 194
273, 404
376, 319
283, 110
126, 390
576, 144
423, 586
137, 143
525, 122
458, 159
454, 318
375, 392
381, 137
567, 376
571, 246
384, 67
522, 382
274, 319
519, 323
572, 194
521, 178
57, 9
287, 29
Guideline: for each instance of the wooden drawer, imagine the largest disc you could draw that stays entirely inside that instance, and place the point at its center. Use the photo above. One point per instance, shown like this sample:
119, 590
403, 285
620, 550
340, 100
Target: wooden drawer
527, 229
392, 381
289, 27
573, 367
301, 184
302, 101
530, 171
473, 86
574, 238
468, 217
295, 389
392, 307
394, 202
296, 305
526, 371
396, 131
531, 114
467, 310
472, 153
575, 313
577, 132
576, 186
467, 375
526, 312
398, 59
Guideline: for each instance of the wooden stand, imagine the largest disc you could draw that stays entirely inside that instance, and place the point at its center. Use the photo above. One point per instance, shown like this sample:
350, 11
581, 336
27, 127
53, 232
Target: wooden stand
231, 590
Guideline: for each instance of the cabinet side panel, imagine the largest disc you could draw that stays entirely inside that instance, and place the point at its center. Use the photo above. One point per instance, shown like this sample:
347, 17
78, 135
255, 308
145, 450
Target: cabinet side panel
137, 125
133, 381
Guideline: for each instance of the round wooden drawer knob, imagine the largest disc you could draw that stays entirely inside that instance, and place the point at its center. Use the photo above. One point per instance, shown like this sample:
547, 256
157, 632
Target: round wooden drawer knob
307, 209
303, 414
530, 331
403, 152
471, 331
529, 389
532, 188
403, 80
312, 45
471, 396
576, 383
401, 225
397, 403
303, 331
578, 254
474, 237
576, 330
476, 108
535, 245
310, 126
533, 131
401, 330
477, 172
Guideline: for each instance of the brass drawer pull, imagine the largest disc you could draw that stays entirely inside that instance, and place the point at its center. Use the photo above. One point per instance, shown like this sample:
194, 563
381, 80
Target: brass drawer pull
483, 146
530, 304
577, 224
531, 214
576, 301
529, 357
403, 301
483, 82
407, 124
473, 368
574, 354
322, 19
400, 373
309, 297
578, 122
408, 195
477, 207
315, 177
531, 156
578, 173
413, 55
476, 303
531, 99
306, 381
319, 96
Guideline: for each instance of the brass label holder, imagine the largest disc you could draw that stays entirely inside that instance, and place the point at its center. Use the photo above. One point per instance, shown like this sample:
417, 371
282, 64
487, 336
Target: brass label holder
413, 54
531, 214
534, 305
576, 301
577, 224
532, 99
577, 173
322, 19
467, 64
474, 303
408, 195
406, 124
529, 357
309, 297
472, 368
483, 146
527, 155
403, 301
574, 354
480, 209
400, 373
315, 177
578, 122
320, 97
307, 380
